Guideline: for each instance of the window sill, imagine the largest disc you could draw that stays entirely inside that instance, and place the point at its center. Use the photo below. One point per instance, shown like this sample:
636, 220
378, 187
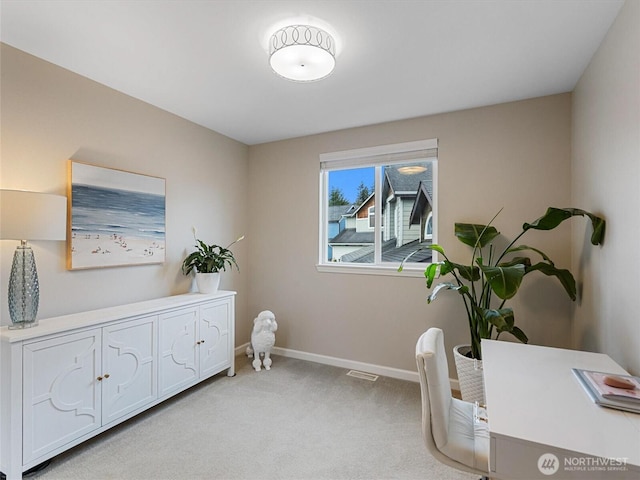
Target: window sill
391, 271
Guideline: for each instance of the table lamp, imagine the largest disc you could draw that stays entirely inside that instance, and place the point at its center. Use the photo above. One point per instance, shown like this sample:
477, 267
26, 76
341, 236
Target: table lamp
29, 216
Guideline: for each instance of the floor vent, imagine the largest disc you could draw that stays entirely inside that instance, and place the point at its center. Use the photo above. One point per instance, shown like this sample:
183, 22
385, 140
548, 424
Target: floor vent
362, 375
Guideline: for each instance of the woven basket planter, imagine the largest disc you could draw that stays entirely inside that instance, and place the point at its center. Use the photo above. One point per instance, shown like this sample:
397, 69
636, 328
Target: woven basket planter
470, 376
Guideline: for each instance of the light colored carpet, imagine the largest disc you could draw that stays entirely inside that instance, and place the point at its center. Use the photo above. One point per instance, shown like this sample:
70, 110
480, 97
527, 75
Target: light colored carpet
299, 421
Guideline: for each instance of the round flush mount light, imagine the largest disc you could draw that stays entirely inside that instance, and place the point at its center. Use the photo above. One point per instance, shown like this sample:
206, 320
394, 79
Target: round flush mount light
302, 53
411, 169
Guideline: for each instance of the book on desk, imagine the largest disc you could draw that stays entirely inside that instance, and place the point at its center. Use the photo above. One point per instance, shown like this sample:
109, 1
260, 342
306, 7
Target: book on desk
627, 399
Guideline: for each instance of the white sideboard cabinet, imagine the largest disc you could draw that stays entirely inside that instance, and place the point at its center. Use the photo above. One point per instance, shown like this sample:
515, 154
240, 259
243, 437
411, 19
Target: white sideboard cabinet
75, 376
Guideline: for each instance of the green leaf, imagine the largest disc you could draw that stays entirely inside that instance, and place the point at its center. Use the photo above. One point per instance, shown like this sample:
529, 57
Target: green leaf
503, 320
519, 334
438, 269
470, 273
564, 276
443, 286
555, 216
475, 234
504, 281
431, 272
550, 220
527, 247
526, 261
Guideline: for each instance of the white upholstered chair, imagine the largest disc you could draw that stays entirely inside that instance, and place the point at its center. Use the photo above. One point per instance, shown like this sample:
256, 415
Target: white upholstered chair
451, 431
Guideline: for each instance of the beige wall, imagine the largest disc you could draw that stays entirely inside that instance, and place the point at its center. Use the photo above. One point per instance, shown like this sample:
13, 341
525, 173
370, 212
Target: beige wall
50, 115
515, 156
606, 178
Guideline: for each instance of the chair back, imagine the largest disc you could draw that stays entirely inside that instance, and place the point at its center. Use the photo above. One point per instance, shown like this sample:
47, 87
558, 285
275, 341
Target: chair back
435, 388
450, 431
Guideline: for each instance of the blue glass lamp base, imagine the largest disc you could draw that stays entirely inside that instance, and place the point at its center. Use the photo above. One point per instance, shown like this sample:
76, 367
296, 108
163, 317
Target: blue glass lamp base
24, 290
22, 325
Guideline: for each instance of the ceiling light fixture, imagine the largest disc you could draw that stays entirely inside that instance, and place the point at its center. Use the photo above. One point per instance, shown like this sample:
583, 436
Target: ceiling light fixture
302, 53
411, 169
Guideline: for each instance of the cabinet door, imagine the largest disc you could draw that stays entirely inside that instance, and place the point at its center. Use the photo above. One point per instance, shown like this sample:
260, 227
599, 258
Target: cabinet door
214, 336
178, 367
61, 393
129, 367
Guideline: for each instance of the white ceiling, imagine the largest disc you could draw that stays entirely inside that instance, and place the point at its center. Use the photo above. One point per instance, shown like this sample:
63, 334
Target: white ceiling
207, 61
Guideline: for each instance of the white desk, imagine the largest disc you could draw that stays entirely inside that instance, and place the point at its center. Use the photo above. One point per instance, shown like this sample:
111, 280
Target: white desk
536, 406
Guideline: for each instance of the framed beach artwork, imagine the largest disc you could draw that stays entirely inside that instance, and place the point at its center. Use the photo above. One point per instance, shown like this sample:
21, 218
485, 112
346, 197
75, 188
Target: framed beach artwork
115, 218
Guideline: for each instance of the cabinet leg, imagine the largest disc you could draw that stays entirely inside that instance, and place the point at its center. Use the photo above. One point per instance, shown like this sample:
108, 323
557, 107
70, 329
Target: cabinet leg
16, 474
12, 474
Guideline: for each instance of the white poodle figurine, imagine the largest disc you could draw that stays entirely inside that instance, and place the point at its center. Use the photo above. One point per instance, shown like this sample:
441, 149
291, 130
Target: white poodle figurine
262, 339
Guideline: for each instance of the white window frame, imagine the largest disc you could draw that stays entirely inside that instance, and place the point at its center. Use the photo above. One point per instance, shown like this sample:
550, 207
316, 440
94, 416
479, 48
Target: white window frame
426, 227
421, 150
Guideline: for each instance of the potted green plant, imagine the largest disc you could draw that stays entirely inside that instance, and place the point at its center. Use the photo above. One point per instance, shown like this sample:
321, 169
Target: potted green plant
208, 261
492, 275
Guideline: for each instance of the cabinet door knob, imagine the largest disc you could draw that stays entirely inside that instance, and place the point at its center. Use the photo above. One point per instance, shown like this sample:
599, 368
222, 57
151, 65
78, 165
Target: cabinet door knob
201, 341
106, 375
99, 379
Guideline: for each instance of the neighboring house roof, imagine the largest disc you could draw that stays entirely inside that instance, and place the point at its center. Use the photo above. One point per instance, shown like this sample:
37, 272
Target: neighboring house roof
401, 184
335, 212
390, 253
356, 210
423, 200
363, 255
400, 253
349, 236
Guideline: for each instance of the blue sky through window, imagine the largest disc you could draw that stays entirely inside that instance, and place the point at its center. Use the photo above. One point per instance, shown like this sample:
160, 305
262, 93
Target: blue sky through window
349, 180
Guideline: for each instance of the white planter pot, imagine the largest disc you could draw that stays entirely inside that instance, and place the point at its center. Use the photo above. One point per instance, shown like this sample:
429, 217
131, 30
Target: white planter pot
470, 375
208, 282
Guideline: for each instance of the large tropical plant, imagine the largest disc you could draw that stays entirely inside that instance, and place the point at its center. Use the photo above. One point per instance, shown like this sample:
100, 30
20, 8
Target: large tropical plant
499, 272
209, 258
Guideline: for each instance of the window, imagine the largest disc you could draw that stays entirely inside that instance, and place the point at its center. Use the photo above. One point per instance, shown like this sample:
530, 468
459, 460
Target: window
398, 182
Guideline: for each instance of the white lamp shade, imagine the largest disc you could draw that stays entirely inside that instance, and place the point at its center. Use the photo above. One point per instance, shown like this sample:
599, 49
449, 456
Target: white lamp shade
32, 216
302, 63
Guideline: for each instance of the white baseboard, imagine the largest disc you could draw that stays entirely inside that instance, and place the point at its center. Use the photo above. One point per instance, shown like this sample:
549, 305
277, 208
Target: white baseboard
241, 349
455, 385
349, 364
344, 363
